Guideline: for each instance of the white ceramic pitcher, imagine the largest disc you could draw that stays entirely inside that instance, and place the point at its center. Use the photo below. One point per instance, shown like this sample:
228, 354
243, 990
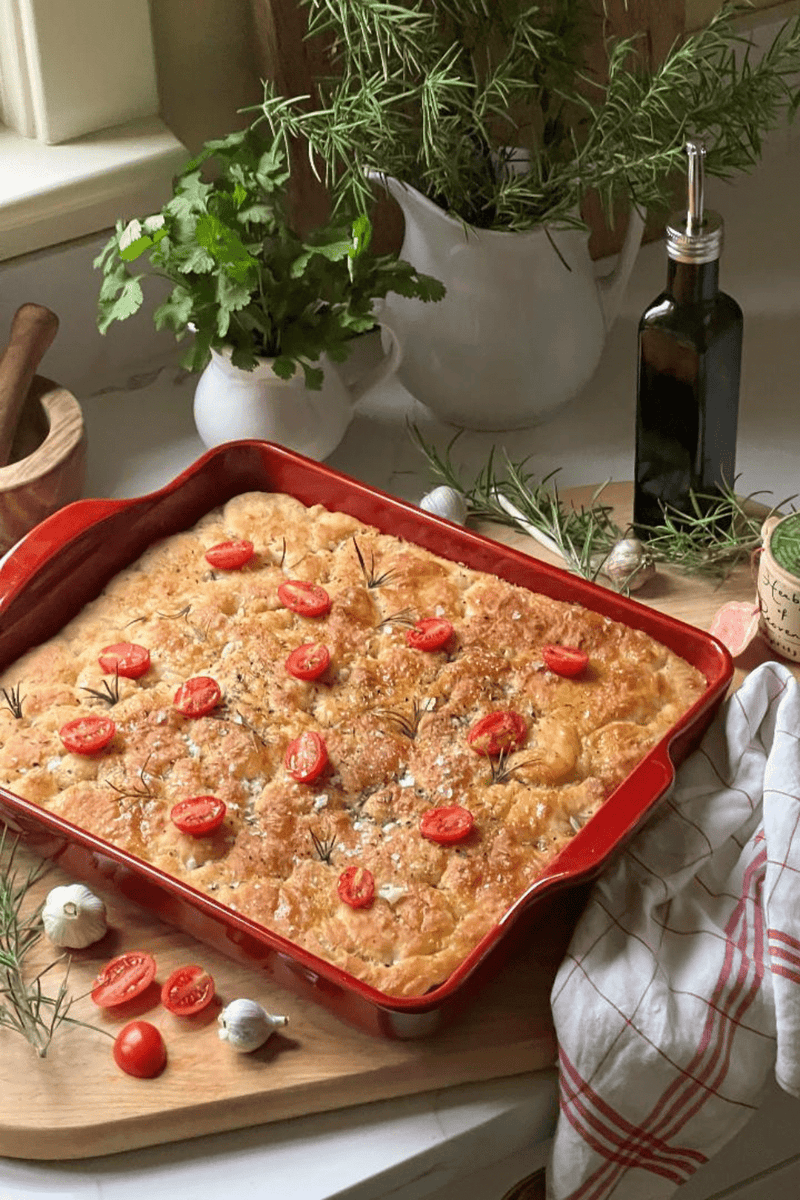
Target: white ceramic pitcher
230, 403
519, 333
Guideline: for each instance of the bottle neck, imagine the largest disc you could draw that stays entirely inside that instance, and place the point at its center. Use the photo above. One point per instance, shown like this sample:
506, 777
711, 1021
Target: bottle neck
692, 283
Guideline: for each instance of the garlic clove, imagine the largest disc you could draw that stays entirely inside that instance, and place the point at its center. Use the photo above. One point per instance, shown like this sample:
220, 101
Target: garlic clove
628, 564
245, 1025
445, 502
73, 916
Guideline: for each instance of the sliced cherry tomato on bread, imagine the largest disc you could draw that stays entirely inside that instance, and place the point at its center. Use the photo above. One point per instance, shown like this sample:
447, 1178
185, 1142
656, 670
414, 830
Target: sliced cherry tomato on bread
87, 735
125, 659
188, 990
356, 887
139, 1050
198, 816
447, 824
431, 633
309, 661
565, 660
198, 696
124, 978
306, 756
230, 556
306, 599
498, 733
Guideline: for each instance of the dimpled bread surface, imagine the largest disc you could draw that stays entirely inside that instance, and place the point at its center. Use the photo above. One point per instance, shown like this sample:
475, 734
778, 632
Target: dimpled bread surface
394, 720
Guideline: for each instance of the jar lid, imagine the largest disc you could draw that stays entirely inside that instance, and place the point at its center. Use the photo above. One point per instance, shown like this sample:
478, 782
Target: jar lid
695, 236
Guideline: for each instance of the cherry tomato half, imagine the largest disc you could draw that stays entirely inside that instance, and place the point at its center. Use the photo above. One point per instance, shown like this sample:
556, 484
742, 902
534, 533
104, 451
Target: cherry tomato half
450, 823
87, 735
198, 696
307, 599
306, 756
429, 634
124, 978
565, 660
230, 556
188, 990
498, 733
309, 661
125, 659
198, 815
139, 1050
356, 886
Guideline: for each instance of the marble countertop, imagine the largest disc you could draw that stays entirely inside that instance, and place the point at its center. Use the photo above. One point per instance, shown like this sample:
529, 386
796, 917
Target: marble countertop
140, 437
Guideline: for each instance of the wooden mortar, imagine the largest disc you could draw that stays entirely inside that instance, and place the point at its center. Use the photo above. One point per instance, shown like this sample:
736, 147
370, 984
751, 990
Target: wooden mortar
42, 435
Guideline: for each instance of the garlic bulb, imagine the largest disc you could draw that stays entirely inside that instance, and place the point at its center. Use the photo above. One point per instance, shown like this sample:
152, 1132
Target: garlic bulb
73, 916
628, 564
245, 1025
445, 502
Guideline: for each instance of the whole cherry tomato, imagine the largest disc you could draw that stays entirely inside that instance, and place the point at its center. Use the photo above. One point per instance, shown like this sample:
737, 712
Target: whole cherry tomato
188, 990
198, 696
498, 733
306, 599
198, 815
448, 824
356, 887
309, 661
87, 735
124, 978
565, 660
139, 1050
306, 756
432, 633
125, 659
230, 556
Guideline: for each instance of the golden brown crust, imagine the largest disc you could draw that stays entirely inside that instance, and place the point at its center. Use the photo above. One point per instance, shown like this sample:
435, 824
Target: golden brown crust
394, 720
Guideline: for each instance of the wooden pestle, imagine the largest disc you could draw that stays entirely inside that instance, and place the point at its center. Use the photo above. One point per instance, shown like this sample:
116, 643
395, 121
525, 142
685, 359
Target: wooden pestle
33, 329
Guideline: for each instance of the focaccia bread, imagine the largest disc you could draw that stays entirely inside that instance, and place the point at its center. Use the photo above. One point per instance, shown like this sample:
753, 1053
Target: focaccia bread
303, 857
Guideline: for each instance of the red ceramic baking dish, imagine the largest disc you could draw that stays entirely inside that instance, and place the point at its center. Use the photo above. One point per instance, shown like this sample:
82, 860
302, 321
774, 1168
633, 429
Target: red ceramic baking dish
68, 559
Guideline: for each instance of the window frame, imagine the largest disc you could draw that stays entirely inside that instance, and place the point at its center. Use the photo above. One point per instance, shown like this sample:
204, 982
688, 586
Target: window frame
82, 142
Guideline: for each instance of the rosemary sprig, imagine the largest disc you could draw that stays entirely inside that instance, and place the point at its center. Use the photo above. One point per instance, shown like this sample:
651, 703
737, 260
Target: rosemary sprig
403, 617
323, 846
511, 496
501, 770
109, 692
373, 578
137, 791
24, 1007
720, 532
13, 700
406, 723
717, 534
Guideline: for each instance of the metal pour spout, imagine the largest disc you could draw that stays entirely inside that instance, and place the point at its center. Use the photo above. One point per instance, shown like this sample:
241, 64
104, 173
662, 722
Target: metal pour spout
694, 217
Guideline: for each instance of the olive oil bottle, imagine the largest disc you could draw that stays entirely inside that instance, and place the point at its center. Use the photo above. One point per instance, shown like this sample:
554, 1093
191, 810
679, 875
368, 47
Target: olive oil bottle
690, 348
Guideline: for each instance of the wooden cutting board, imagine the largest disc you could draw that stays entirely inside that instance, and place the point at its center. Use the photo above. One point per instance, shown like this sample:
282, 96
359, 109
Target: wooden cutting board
76, 1103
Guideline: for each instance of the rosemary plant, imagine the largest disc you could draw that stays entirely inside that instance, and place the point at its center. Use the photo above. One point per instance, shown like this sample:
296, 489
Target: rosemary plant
24, 1007
723, 531
437, 92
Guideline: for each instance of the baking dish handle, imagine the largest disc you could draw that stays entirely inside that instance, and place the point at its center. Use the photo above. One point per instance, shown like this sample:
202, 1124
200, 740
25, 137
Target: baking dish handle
32, 551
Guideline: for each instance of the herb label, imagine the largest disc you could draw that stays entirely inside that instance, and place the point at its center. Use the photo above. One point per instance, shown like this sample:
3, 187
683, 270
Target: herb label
779, 586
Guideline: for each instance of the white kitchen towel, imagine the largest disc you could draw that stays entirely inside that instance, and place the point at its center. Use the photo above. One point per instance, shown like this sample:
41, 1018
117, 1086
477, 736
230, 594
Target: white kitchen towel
680, 991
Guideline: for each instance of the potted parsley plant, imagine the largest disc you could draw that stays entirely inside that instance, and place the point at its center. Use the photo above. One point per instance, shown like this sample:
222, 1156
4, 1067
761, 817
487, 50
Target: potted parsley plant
271, 311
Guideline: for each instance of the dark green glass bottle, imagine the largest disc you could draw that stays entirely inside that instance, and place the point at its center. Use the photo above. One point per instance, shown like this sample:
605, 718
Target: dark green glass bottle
690, 348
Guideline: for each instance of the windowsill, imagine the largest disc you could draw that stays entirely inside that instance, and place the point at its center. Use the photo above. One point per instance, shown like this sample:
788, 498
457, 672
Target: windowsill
53, 194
